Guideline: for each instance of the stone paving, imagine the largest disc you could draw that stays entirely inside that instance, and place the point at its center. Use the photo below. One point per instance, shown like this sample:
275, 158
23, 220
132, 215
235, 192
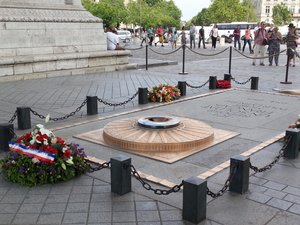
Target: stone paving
273, 196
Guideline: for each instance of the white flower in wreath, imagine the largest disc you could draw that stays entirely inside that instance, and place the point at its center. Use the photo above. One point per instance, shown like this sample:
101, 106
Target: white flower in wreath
64, 149
35, 160
33, 140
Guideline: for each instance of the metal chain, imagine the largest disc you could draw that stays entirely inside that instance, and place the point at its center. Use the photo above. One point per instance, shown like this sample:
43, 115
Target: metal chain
12, 132
13, 117
218, 53
98, 167
134, 49
200, 86
225, 187
148, 187
118, 104
264, 57
63, 117
167, 53
241, 83
276, 159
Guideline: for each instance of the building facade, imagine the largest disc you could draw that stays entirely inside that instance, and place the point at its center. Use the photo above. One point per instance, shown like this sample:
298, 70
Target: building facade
264, 9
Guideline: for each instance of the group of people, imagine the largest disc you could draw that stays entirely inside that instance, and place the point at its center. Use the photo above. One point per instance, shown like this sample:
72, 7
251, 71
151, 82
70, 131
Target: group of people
272, 38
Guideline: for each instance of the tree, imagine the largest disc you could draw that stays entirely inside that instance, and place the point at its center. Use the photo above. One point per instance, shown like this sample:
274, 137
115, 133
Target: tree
281, 15
230, 10
202, 18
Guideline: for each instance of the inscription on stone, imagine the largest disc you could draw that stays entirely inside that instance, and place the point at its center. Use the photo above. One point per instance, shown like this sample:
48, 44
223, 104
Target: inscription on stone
69, 2
245, 110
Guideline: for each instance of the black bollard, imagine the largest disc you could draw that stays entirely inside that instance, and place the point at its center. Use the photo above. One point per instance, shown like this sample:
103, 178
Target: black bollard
92, 105
24, 119
120, 175
5, 135
254, 83
227, 77
292, 148
212, 82
143, 96
287, 71
194, 199
182, 87
240, 180
230, 59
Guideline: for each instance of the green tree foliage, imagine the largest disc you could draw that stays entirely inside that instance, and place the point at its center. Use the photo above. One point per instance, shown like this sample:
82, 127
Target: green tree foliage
112, 12
281, 15
222, 11
136, 12
202, 18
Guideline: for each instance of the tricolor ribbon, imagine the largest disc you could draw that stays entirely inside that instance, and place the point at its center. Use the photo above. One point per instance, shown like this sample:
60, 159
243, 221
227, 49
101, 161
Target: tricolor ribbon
35, 153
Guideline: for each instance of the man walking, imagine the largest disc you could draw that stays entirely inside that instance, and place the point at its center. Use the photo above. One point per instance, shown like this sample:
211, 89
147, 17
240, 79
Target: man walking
201, 37
237, 36
192, 36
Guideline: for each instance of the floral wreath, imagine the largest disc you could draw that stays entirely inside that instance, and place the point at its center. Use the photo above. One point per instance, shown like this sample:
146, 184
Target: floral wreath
39, 157
163, 93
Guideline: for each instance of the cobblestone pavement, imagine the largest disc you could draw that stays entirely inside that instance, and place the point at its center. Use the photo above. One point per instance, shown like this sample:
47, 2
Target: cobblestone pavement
273, 196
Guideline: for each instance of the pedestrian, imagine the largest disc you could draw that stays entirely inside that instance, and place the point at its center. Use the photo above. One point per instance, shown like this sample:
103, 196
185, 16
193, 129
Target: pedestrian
160, 34
150, 33
237, 36
274, 38
214, 36
143, 36
260, 40
201, 37
192, 36
183, 36
291, 44
112, 39
247, 39
174, 39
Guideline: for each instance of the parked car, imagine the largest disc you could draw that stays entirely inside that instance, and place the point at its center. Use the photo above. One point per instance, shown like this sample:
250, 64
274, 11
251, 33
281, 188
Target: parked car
124, 36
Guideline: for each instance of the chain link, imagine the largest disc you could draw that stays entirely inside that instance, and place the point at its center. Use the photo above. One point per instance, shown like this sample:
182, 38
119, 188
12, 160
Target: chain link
13, 117
63, 117
166, 53
276, 159
118, 104
98, 167
225, 187
241, 83
218, 53
148, 187
264, 57
200, 86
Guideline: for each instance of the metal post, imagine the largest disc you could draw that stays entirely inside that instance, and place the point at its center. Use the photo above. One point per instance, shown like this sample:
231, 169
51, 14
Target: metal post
194, 199
240, 180
287, 72
182, 87
212, 82
5, 135
143, 96
254, 83
230, 58
92, 105
227, 77
24, 120
292, 149
183, 60
146, 56
120, 175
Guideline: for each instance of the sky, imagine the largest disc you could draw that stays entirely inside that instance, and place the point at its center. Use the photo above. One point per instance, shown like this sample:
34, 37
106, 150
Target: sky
190, 8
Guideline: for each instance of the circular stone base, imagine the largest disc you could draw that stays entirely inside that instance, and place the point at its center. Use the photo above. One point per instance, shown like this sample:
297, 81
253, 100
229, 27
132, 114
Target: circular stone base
127, 134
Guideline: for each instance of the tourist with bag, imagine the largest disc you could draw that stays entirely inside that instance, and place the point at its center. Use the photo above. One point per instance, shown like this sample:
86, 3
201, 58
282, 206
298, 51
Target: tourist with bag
247, 39
260, 39
291, 44
274, 38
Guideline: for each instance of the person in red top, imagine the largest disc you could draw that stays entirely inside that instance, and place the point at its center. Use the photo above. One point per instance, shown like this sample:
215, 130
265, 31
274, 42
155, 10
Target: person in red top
260, 36
160, 34
237, 36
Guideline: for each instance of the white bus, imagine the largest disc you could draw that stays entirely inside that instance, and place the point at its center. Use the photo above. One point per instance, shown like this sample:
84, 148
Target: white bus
226, 29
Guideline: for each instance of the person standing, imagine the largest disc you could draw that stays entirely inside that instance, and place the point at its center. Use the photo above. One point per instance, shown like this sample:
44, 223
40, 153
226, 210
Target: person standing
274, 45
247, 39
183, 36
174, 39
160, 34
260, 36
192, 36
237, 36
201, 37
291, 44
143, 36
150, 34
214, 36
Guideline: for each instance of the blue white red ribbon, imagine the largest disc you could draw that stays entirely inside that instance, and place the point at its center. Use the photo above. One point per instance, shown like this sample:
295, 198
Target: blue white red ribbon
35, 153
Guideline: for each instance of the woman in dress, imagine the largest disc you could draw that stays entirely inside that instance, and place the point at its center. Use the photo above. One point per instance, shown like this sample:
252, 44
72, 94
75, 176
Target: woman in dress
274, 45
